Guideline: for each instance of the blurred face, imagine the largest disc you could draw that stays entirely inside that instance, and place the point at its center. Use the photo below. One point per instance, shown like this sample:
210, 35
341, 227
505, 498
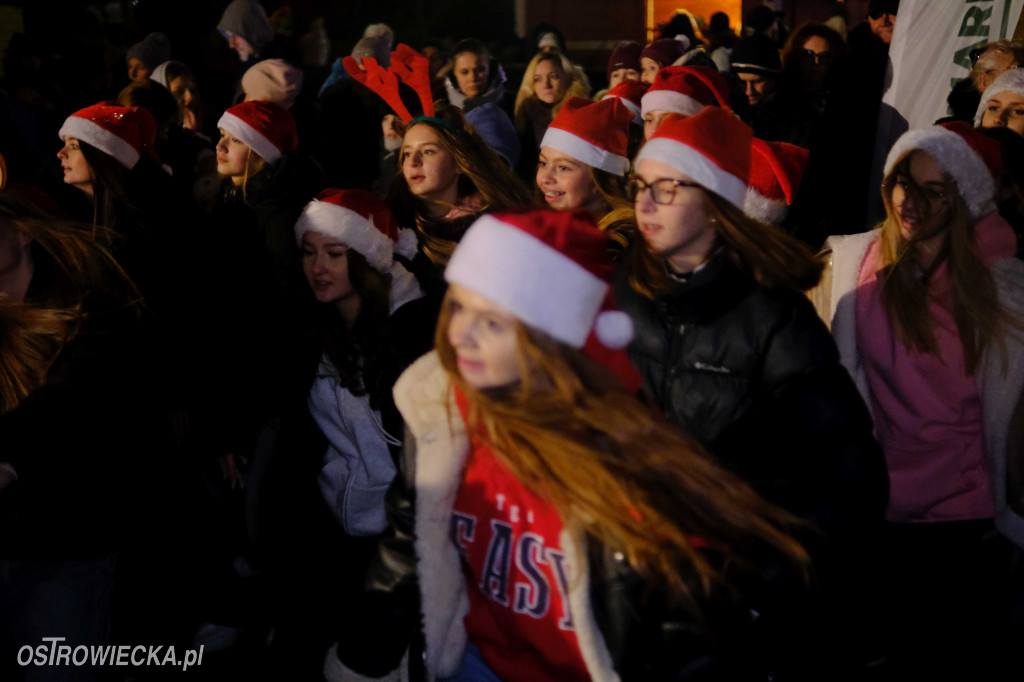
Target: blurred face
232, 155
653, 119
815, 60
435, 60
993, 64
549, 82
483, 335
1004, 110
923, 215
75, 167
882, 26
430, 171
566, 182
619, 75
678, 226
184, 91
648, 69
240, 45
15, 263
471, 72
325, 264
756, 87
137, 71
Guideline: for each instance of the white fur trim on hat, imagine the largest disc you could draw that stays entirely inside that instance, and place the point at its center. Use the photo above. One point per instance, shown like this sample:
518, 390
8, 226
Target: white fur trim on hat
545, 289
967, 169
614, 329
1008, 81
348, 227
250, 136
93, 133
638, 116
669, 100
587, 152
760, 207
703, 170
407, 244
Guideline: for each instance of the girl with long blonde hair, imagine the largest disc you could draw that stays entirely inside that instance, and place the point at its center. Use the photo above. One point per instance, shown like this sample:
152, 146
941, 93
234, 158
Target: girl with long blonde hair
928, 314
563, 530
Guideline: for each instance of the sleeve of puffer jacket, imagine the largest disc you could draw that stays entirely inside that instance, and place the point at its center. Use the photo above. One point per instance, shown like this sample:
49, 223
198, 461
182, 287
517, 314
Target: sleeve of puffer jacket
373, 643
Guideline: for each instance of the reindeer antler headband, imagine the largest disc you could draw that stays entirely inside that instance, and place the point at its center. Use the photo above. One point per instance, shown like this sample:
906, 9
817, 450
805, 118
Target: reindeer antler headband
407, 66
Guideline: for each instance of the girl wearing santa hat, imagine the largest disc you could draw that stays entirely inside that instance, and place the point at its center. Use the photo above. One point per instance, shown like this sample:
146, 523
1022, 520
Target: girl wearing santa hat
928, 314
556, 527
583, 157
682, 90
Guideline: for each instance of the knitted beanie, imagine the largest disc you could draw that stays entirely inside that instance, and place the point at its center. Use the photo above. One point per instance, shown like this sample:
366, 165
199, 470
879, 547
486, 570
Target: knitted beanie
666, 50
971, 159
121, 132
153, 50
756, 54
626, 55
273, 80
685, 90
712, 147
267, 128
596, 133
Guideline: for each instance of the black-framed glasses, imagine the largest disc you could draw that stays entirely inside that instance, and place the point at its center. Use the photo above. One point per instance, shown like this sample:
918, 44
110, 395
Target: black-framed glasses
663, 190
817, 57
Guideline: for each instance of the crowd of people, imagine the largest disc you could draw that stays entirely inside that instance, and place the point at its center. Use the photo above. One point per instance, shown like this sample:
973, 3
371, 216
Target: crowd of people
416, 365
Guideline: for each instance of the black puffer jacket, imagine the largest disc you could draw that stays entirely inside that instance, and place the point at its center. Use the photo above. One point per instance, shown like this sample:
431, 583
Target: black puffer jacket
755, 376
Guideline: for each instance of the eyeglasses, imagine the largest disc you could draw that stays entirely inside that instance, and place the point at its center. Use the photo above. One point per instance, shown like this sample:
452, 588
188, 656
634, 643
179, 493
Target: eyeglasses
663, 190
817, 57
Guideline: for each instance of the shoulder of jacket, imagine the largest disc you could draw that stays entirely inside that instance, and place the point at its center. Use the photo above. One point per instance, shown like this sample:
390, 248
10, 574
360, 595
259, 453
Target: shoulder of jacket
423, 393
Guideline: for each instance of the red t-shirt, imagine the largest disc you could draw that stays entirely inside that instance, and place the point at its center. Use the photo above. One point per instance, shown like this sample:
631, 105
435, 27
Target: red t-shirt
516, 576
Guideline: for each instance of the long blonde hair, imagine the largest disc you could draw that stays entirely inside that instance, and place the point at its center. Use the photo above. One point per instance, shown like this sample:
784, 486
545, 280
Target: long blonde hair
768, 255
73, 276
526, 98
905, 285
482, 173
616, 468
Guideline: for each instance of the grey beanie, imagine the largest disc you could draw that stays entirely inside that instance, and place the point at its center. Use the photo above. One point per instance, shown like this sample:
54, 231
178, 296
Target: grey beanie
153, 50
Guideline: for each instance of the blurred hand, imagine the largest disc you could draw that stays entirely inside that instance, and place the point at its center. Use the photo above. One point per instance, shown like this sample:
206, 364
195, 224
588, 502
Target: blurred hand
231, 471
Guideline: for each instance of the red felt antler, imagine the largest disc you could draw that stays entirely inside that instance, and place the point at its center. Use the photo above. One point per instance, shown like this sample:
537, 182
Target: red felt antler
384, 83
413, 69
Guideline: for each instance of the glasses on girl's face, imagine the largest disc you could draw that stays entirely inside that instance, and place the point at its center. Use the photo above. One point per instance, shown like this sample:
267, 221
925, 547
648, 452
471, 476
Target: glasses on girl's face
663, 190
817, 57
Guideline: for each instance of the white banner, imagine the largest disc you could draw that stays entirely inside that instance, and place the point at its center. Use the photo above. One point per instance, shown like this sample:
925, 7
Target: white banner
929, 53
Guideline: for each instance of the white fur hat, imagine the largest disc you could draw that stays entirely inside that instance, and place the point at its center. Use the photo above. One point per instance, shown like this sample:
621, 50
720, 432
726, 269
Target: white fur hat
1008, 81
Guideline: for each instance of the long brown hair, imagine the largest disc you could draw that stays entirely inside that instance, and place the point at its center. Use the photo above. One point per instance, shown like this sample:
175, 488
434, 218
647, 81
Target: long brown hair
73, 277
617, 469
905, 284
767, 254
482, 173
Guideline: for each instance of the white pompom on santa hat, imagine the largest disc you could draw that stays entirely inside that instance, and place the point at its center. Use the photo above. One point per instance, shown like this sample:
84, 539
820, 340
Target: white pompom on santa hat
776, 169
712, 148
548, 268
361, 221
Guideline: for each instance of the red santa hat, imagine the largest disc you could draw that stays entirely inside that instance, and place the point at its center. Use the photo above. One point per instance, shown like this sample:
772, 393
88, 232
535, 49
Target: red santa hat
686, 90
518, 260
361, 221
630, 93
969, 157
712, 147
268, 128
775, 172
596, 133
121, 132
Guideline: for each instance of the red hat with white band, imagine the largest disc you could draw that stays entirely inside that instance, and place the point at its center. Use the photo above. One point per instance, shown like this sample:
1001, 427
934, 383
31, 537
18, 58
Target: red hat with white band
596, 133
686, 90
548, 268
121, 132
361, 221
776, 169
630, 93
267, 128
712, 147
